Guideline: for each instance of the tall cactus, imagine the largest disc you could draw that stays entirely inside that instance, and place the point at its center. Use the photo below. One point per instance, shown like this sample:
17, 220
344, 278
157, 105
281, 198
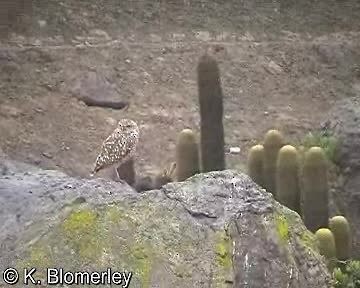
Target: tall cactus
187, 155
255, 163
326, 243
287, 178
340, 227
272, 144
315, 189
211, 113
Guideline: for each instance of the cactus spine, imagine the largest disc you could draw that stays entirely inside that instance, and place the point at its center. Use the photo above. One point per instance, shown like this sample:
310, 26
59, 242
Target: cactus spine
187, 155
287, 178
211, 114
272, 144
255, 163
315, 189
340, 227
327, 248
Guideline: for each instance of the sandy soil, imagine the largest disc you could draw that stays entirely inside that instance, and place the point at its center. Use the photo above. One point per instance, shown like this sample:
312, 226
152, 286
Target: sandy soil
280, 68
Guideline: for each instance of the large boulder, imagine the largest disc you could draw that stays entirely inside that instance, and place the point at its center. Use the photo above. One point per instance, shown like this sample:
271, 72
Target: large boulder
214, 230
343, 121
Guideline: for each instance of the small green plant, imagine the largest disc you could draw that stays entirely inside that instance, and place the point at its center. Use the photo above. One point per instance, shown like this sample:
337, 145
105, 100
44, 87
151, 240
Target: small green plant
349, 277
330, 144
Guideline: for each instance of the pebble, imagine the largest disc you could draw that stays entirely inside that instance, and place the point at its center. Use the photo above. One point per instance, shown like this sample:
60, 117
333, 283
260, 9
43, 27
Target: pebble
42, 23
234, 150
47, 155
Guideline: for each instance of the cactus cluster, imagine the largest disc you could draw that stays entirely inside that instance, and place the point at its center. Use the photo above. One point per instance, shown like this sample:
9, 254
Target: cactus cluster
211, 157
300, 185
334, 242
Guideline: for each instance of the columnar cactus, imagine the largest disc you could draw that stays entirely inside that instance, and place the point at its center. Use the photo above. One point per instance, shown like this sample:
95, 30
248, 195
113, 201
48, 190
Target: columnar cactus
272, 144
287, 178
340, 227
255, 163
187, 155
315, 189
326, 243
211, 113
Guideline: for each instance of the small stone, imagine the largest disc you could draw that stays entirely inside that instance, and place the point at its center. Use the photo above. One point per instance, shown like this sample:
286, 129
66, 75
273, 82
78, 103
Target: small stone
266, 113
42, 23
128, 61
234, 150
47, 155
347, 170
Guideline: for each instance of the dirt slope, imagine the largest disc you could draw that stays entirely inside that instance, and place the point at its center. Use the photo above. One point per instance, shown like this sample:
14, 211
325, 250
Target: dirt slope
282, 66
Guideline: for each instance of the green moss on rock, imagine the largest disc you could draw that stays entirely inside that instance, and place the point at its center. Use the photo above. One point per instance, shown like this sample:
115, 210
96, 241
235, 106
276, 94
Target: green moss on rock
82, 232
141, 260
282, 227
308, 240
223, 250
224, 261
135, 239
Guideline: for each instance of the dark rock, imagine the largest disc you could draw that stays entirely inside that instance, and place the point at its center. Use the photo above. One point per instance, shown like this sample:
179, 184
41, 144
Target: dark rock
95, 90
143, 184
343, 122
214, 230
126, 172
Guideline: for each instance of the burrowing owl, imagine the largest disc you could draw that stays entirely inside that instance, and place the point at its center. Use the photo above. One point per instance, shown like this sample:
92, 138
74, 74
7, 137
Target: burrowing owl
119, 147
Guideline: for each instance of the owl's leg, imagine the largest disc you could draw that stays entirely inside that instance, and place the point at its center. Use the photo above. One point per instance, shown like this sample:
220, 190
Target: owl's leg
118, 176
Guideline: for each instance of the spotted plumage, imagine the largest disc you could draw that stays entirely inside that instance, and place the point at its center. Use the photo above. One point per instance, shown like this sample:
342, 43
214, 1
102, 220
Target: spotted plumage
119, 147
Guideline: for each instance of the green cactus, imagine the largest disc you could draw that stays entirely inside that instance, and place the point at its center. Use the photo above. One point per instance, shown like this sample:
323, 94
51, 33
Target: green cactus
287, 178
326, 243
315, 189
340, 227
211, 114
187, 155
272, 144
255, 164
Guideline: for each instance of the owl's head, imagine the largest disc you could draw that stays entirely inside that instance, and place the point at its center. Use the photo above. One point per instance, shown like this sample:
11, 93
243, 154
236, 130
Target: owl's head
128, 125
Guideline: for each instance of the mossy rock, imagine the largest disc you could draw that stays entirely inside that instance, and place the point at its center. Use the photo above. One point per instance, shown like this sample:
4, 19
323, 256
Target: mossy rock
214, 229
